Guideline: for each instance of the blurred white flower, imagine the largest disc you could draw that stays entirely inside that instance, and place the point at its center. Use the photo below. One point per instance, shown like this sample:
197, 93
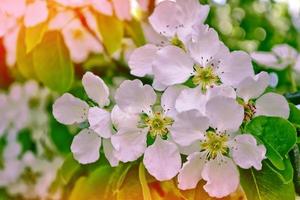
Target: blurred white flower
36, 13
281, 57
11, 167
36, 178
80, 41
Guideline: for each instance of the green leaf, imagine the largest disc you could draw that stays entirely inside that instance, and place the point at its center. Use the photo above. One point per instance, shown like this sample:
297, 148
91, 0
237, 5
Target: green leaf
134, 29
52, 62
60, 136
294, 114
295, 159
144, 183
277, 134
112, 31
265, 185
34, 35
287, 174
26, 140
24, 60
69, 168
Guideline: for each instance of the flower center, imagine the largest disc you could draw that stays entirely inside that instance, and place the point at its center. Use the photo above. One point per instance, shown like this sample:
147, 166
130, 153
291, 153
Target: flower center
205, 77
249, 111
215, 144
77, 34
29, 176
34, 103
177, 42
157, 124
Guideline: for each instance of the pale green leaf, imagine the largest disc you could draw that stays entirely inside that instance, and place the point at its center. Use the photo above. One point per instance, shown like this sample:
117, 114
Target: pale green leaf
112, 31
34, 35
52, 63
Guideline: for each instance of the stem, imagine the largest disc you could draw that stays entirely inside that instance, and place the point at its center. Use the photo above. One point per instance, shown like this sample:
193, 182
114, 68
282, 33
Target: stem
293, 88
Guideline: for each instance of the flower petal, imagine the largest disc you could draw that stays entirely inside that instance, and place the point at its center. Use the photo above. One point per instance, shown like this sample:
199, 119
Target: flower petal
141, 59
61, 19
265, 58
205, 44
272, 104
190, 99
122, 9
79, 41
168, 100
246, 153
162, 159
221, 90
85, 146
222, 177
164, 18
134, 97
158, 86
192, 12
285, 52
102, 6
253, 87
189, 126
144, 4
192, 148
100, 122
177, 66
129, 144
96, 89
15, 8
190, 173
122, 120
224, 113
109, 153
235, 67
36, 12
68, 109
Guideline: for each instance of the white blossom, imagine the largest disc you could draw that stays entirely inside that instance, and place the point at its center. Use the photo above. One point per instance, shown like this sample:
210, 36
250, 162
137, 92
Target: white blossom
68, 110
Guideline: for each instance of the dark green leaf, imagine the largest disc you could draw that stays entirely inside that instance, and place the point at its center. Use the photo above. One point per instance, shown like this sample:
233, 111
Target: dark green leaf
287, 174
60, 136
265, 185
294, 114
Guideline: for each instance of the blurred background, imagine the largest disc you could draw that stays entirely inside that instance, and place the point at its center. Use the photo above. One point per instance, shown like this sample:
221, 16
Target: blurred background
46, 47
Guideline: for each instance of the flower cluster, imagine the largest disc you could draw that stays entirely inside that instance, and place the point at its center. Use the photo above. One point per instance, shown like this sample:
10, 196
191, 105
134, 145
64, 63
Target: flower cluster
75, 19
190, 122
27, 172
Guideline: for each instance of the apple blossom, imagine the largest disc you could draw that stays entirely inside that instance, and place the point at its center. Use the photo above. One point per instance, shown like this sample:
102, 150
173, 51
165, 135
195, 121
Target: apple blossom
221, 150
136, 119
68, 110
